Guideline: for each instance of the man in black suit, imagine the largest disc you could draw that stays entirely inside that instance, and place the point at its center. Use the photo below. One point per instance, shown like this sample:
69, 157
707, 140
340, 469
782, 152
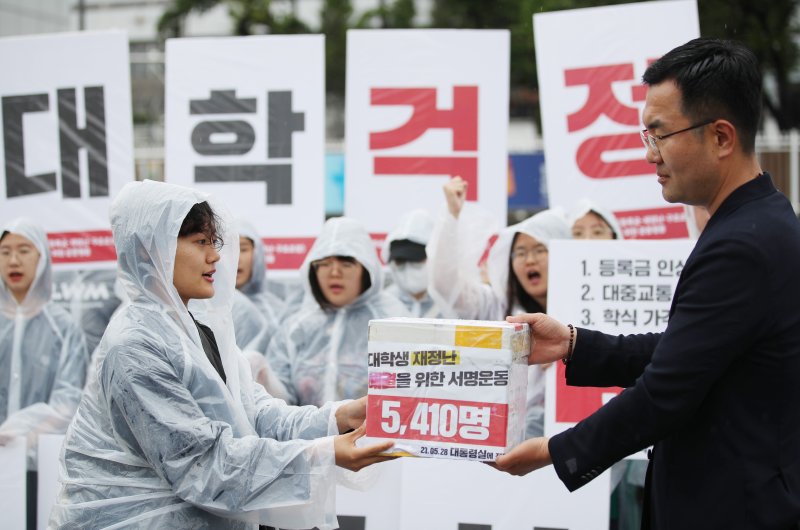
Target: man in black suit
718, 393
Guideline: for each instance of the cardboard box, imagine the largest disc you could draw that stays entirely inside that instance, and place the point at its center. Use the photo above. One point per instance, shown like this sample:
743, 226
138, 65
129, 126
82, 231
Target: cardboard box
447, 388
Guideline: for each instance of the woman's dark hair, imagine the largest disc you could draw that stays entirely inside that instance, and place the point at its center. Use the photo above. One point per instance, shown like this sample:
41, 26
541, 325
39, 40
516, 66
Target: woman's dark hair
201, 219
515, 292
316, 290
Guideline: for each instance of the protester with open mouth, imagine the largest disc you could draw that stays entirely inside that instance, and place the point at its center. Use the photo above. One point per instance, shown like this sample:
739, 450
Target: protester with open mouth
517, 269
320, 353
42, 349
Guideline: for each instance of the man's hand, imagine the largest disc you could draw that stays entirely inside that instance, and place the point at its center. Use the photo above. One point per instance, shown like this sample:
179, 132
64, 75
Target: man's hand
528, 456
455, 191
351, 415
549, 337
355, 458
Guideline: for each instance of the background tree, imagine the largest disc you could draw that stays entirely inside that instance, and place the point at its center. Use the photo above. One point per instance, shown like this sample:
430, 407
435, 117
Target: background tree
248, 17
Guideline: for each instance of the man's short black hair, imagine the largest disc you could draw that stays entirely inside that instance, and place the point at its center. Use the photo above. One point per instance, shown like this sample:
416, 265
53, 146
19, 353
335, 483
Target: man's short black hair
718, 79
406, 250
201, 219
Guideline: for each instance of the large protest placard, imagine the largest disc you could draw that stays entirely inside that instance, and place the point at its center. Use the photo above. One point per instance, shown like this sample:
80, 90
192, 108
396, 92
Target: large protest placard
245, 120
47, 483
12, 483
590, 63
617, 287
67, 142
421, 493
424, 106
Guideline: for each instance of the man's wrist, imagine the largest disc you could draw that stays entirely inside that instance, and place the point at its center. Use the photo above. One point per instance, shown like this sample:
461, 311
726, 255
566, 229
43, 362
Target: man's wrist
573, 335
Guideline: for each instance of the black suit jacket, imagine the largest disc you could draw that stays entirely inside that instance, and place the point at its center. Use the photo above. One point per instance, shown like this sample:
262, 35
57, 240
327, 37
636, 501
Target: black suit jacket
718, 393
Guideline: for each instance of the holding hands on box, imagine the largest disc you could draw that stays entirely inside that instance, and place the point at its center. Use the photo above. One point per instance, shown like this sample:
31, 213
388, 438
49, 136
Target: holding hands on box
550, 341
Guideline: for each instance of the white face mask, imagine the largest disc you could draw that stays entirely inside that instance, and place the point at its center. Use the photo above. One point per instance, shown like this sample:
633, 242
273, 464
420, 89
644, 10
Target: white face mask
412, 277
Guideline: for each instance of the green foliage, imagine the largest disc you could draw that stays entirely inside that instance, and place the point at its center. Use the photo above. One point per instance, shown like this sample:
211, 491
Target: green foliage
399, 14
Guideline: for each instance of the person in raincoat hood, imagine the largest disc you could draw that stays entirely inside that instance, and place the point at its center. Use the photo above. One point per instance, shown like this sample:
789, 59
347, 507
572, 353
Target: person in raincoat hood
321, 352
404, 250
589, 220
518, 273
251, 274
43, 356
171, 432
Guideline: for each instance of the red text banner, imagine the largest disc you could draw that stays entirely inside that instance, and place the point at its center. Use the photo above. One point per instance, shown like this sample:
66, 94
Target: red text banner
437, 420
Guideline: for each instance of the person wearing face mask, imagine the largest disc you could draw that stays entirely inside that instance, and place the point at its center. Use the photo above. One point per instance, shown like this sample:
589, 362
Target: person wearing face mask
405, 248
171, 431
591, 221
43, 355
320, 353
517, 269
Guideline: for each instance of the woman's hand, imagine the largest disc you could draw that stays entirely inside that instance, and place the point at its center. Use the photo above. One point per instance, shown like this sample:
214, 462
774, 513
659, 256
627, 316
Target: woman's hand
351, 415
355, 458
455, 191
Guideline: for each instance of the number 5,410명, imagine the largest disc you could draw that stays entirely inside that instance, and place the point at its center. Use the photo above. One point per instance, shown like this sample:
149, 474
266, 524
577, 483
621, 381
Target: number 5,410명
429, 419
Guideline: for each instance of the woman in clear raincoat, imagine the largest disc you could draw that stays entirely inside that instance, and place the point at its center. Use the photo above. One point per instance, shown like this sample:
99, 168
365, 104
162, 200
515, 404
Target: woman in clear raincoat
171, 432
251, 275
43, 355
321, 352
404, 250
518, 274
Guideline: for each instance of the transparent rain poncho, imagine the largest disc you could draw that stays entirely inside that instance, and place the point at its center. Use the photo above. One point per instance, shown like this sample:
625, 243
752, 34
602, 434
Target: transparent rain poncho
471, 299
92, 301
249, 326
256, 288
321, 354
159, 440
43, 357
415, 226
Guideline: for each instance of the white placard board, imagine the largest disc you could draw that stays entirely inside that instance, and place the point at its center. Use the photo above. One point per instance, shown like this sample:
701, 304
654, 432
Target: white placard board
245, 121
12, 483
67, 142
47, 482
617, 287
590, 63
423, 106
422, 493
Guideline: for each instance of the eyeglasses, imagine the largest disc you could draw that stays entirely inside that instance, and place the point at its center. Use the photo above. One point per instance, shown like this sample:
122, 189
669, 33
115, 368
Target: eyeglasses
215, 242
649, 140
521, 254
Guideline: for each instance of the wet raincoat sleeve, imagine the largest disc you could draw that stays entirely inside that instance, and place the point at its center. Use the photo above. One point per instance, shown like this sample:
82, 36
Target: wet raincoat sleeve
450, 284
53, 415
276, 419
200, 458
